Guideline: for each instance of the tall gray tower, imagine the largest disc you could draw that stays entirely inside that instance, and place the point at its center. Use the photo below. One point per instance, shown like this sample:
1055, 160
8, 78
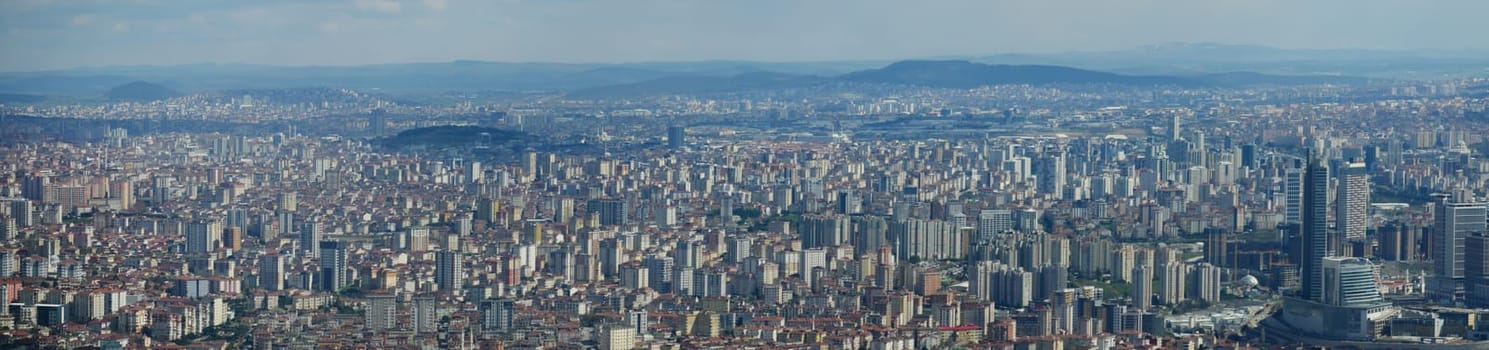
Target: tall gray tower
1315, 235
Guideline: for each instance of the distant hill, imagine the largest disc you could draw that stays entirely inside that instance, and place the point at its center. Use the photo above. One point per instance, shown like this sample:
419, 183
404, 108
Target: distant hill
21, 98
438, 136
1204, 58
701, 85
141, 91
963, 74
945, 74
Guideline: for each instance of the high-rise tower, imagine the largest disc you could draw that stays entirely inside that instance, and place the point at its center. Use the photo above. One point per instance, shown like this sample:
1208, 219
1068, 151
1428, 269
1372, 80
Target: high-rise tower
676, 137
333, 266
1315, 232
449, 270
1456, 218
1353, 201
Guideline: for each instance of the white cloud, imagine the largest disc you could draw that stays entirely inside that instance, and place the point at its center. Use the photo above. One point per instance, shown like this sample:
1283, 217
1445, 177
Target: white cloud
436, 5
384, 6
121, 27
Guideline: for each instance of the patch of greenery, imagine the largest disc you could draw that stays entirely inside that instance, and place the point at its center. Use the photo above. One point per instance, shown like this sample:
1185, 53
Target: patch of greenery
1112, 290
1191, 305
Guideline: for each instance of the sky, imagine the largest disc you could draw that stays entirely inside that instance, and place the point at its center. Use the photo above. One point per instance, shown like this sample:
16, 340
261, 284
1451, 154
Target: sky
59, 34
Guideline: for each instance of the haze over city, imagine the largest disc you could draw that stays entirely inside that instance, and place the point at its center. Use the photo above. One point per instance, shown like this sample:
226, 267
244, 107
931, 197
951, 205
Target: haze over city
810, 174
48, 34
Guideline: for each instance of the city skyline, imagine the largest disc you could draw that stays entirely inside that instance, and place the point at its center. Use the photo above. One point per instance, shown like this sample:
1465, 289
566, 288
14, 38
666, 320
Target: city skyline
775, 174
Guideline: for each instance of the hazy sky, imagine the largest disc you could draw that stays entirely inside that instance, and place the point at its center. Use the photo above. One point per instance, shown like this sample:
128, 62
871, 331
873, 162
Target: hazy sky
50, 34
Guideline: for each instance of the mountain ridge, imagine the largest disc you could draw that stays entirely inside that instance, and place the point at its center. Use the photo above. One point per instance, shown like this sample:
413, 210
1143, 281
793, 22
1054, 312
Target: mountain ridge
141, 91
952, 74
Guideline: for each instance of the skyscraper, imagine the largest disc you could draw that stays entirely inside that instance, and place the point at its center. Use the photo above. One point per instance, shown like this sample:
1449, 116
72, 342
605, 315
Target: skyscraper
449, 271
659, 270
488, 210
1476, 270
1051, 174
687, 254
849, 203
1292, 192
333, 265
310, 238
676, 136
473, 172
123, 190
993, 221
496, 315
288, 202
1173, 127
462, 227
726, 210
1142, 287
426, 314
1204, 283
1397, 242
1353, 201
21, 210
8, 229
563, 210
33, 185
377, 123
418, 239
1216, 247
381, 310
825, 231
613, 212
237, 217
1315, 233
202, 236
738, 248
1172, 281
1456, 218
271, 272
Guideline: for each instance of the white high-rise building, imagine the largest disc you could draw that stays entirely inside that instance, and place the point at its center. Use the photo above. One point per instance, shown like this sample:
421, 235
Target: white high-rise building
381, 312
1051, 174
993, 221
1172, 277
1204, 282
1350, 282
418, 239
426, 314
1352, 201
617, 337
1292, 199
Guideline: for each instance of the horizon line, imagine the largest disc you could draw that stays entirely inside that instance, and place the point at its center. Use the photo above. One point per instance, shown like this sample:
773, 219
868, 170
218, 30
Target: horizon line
942, 57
